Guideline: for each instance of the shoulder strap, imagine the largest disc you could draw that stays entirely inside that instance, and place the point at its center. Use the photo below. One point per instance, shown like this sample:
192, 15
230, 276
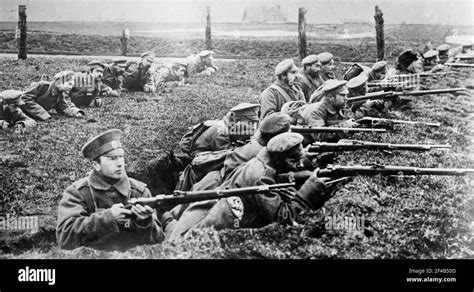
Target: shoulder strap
282, 92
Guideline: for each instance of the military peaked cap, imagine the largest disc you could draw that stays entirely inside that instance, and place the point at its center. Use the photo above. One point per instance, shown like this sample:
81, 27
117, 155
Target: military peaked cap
102, 143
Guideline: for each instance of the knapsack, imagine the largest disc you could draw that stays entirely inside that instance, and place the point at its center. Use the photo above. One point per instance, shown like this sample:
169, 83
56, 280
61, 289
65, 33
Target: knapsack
187, 142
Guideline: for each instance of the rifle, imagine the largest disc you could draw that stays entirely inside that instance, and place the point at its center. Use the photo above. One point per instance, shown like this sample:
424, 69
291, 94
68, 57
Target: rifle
463, 65
427, 74
377, 169
313, 130
372, 121
184, 197
353, 145
393, 94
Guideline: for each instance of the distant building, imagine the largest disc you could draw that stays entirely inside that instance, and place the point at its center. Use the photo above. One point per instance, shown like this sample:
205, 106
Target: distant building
263, 14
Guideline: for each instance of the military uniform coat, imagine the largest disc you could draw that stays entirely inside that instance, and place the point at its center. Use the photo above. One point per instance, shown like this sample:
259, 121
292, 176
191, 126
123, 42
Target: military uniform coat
215, 138
85, 219
271, 99
322, 114
42, 96
137, 77
198, 180
195, 65
241, 212
308, 84
112, 78
163, 75
86, 89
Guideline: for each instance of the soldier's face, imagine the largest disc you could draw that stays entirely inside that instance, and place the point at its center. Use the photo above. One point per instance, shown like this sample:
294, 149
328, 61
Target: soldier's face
208, 60
112, 164
340, 99
290, 77
329, 67
97, 73
314, 69
378, 75
433, 61
292, 163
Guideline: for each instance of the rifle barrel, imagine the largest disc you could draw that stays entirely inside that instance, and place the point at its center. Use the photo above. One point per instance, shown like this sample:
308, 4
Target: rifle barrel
382, 95
374, 120
308, 129
459, 65
181, 197
338, 171
432, 91
363, 145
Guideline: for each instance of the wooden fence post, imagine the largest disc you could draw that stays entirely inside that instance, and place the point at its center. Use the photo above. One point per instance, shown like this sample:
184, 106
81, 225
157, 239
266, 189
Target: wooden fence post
208, 29
22, 28
302, 33
379, 34
124, 41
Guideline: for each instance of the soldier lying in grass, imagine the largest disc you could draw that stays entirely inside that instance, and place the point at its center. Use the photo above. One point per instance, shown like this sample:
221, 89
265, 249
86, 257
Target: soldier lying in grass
11, 114
43, 96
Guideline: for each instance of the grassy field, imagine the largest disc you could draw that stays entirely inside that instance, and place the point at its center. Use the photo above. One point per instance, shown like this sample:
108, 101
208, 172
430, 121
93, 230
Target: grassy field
411, 217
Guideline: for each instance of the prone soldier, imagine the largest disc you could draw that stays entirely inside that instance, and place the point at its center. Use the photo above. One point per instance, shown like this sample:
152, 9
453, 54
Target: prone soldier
409, 62
88, 86
91, 211
330, 111
431, 61
282, 154
137, 76
208, 170
270, 126
443, 51
357, 87
174, 72
11, 114
235, 128
377, 72
202, 63
45, 95
113, 77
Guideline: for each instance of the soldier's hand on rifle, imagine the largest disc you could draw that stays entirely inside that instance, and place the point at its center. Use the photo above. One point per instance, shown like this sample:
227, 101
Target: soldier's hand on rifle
119, 212
301, 176
313, 192
350, 123
285, 193
4, 124
142, 212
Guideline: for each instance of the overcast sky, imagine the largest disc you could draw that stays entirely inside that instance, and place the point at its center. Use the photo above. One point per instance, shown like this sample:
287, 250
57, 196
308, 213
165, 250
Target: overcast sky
456, 12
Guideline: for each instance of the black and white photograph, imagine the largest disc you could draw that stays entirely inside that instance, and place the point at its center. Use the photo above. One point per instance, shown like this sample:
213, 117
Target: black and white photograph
337, 134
